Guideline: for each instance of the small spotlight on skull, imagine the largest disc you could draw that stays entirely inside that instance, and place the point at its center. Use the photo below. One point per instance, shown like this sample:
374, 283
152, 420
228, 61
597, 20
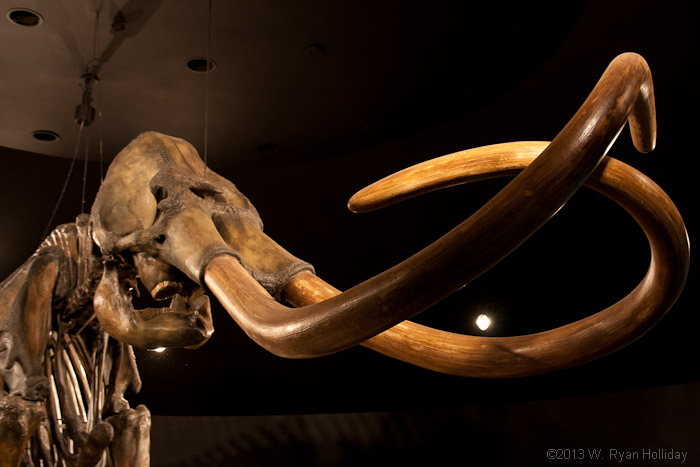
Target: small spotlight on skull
483, 322
158, 349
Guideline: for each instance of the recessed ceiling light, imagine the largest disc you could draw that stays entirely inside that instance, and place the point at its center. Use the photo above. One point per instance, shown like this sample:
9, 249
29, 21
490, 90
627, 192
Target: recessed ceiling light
317, 51
268, 149
199, 64
45, 135
24, 17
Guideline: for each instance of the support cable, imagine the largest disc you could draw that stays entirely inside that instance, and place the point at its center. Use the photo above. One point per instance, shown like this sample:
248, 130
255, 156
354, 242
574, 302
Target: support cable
65, 183
206, 85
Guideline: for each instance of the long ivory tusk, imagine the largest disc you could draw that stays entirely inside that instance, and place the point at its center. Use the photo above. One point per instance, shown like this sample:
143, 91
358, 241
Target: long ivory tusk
566, 346
624, 91
471, 165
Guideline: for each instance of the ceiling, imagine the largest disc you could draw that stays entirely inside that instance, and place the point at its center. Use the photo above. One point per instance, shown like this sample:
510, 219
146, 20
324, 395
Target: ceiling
310, 101
293, 79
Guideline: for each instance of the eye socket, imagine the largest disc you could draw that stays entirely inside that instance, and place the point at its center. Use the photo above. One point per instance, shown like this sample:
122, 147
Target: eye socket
204, 192
160, 193
198, 192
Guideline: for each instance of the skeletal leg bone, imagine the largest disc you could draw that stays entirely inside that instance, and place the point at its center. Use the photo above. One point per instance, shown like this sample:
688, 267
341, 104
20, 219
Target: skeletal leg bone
19, 419
124, 375
25, 314
93, 445
132, 437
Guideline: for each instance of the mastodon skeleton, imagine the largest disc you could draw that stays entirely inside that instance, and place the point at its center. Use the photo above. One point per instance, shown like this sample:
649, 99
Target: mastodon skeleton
163, 218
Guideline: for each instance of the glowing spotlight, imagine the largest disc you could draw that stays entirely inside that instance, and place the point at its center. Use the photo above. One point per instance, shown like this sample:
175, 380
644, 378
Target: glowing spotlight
158, 349
483, 322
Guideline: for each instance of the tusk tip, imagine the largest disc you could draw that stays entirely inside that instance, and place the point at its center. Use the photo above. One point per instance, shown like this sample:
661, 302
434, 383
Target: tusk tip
373, 197
358, 203
352, 206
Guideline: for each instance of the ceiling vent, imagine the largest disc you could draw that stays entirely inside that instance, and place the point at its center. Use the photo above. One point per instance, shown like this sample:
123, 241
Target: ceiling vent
199, 64
24, 17
45, 135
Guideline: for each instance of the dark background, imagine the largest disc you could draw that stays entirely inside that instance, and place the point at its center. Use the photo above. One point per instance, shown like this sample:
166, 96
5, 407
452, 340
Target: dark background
309, 103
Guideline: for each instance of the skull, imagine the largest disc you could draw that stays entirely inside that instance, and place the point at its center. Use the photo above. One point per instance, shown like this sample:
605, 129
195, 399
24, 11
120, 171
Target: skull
160, 216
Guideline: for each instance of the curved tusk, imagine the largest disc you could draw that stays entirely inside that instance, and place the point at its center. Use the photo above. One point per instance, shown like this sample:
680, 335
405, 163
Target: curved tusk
471, 165
624, 91
566, 346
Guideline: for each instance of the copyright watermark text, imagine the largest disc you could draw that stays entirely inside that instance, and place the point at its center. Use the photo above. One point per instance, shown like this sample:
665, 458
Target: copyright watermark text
619, 455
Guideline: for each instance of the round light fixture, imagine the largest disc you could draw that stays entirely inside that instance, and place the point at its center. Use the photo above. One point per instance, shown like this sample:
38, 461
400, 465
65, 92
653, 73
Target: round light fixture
45, 135
316, 51
268, 149
199, 64
24, 17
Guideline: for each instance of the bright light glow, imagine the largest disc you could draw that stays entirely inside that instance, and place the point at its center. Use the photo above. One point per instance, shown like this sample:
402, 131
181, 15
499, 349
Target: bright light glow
483, 322
158, 349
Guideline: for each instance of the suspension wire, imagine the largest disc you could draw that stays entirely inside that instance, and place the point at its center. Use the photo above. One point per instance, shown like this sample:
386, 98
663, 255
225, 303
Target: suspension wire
65, 183
85, 170
96, 30
206, 86
92, 65
99, 131
95, 48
